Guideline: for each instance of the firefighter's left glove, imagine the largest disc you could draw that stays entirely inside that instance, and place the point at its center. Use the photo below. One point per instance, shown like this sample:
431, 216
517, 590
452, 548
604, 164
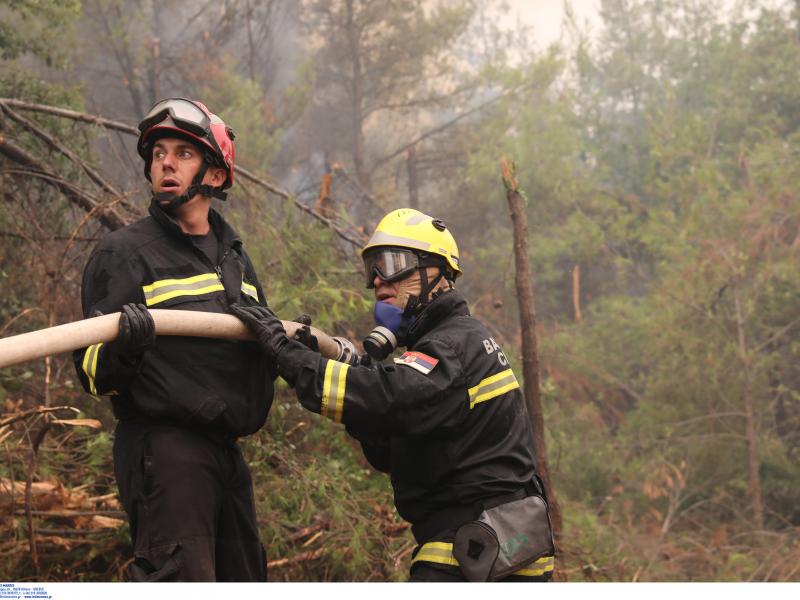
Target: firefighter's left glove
265, 326
137, 331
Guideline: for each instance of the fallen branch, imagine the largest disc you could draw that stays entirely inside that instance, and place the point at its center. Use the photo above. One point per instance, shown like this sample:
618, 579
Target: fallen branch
124, 128
34, 411
75, 513
392, 529
57, 145
278, 191
304, 532
107, 215
71, 114
297, 558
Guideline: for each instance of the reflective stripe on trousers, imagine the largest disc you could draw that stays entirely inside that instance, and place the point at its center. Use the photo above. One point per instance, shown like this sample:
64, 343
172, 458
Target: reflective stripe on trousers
442, 553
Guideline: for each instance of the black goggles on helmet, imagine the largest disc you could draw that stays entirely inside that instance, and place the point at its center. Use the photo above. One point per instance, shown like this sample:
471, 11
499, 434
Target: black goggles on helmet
184, 113
390, 264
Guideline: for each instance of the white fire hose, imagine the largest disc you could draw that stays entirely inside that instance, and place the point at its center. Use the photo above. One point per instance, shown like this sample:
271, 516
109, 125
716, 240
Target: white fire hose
81, 334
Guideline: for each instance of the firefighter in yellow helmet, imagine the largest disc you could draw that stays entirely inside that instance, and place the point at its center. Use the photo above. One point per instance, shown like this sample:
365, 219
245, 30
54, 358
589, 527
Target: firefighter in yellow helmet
446, 419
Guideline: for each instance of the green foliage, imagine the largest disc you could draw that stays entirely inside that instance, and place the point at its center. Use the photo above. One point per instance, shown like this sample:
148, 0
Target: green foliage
315, 476
38, 27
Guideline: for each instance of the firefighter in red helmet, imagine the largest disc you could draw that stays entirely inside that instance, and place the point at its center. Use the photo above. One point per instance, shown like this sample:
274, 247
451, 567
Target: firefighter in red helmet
181, 403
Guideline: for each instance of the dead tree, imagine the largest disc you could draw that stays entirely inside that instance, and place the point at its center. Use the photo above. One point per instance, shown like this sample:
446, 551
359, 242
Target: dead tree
527, 319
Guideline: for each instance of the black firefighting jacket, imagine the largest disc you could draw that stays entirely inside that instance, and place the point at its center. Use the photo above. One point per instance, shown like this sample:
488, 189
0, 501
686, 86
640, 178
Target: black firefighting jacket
225, 386
447, 420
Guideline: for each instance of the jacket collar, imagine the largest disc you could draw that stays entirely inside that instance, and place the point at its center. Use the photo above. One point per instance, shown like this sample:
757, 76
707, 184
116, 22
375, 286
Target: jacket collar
224, 232
446, 305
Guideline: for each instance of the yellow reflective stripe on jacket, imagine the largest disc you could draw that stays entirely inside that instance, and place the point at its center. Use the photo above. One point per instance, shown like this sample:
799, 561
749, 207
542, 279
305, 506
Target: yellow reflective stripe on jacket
492, 387
442, 553
166, 289
436, 552
249, 290
333, 390
90, 365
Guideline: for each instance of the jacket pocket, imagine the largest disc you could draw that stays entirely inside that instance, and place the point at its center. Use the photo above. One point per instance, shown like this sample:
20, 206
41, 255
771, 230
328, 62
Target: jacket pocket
159, 563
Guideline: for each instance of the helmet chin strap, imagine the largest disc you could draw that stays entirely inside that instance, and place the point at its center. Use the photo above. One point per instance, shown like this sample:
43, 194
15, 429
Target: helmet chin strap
169, 202
415, 304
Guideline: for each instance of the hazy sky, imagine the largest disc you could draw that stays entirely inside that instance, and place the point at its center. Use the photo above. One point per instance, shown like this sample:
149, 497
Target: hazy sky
545, 16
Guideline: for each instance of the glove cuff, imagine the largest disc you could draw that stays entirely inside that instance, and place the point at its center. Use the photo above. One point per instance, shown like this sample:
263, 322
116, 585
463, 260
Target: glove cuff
292, 358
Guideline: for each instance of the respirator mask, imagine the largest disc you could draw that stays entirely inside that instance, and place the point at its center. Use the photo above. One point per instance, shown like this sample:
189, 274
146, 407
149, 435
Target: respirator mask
391, 265
381, 341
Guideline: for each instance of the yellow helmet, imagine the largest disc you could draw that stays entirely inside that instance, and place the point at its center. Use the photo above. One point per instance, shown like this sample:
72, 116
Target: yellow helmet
416, 231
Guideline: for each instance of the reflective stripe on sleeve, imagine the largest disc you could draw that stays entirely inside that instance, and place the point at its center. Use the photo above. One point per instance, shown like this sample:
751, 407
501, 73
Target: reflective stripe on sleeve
90, 365
442, 553
166, 289
249, 290
333, 390
492, 387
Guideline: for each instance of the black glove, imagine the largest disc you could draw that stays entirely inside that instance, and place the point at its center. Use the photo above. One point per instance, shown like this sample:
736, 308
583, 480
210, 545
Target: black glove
303, 319
266, 327
137, 331
303, 335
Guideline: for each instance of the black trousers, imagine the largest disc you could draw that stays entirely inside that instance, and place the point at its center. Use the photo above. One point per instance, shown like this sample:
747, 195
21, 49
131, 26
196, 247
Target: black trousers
189, 499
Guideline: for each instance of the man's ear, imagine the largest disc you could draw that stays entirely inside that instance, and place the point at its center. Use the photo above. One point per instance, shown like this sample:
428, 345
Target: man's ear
216, 176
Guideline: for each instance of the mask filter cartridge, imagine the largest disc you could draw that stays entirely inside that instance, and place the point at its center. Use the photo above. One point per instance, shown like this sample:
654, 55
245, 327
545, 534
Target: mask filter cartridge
382, 340
380, 343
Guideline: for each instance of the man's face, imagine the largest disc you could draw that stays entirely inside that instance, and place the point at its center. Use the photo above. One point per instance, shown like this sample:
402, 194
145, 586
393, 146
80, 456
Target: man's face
397, 292
175, 163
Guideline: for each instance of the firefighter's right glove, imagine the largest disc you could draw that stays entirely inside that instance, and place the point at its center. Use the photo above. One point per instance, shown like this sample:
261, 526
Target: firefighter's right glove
265, 326
137, 331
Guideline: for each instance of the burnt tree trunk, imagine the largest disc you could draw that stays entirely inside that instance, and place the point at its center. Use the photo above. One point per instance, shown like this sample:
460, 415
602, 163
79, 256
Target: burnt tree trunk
527, 319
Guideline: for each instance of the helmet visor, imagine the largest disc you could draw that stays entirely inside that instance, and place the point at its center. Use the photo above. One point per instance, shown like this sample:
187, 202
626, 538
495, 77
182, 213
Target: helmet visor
390, 264
184, 113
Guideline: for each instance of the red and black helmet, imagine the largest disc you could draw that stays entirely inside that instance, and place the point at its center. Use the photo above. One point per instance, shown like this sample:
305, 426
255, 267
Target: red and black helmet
190, 120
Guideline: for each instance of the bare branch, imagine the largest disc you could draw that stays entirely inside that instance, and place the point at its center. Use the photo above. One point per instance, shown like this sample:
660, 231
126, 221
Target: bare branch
71, 114
279, 191
444, 126
54, 143
16, 153
106, 214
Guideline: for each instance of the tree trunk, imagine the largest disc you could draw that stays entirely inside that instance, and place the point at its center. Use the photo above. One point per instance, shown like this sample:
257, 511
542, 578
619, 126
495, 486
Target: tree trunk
751, 435
527, 319
357, 100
